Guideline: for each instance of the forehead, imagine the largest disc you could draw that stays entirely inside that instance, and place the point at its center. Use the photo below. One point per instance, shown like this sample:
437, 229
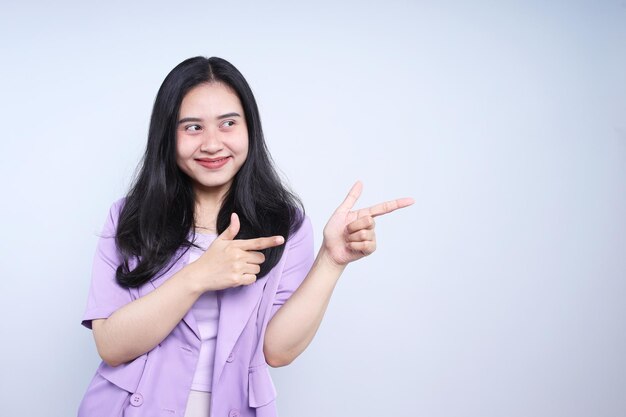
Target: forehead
210, 98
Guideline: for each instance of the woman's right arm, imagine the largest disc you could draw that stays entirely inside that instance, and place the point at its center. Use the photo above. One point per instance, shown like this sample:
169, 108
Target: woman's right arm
137, 327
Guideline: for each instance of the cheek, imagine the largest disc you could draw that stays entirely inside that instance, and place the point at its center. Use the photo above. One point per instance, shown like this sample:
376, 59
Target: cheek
184, 149
244, 151
183, 153
242, 146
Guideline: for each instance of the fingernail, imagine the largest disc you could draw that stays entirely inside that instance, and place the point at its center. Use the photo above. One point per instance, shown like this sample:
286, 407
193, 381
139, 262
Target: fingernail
280, 239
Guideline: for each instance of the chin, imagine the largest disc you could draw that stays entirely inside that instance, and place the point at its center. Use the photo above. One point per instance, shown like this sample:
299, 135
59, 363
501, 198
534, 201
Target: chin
211, 184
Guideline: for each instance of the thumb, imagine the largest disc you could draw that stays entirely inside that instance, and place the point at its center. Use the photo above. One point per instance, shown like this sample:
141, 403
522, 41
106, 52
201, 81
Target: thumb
232, 229
353, 195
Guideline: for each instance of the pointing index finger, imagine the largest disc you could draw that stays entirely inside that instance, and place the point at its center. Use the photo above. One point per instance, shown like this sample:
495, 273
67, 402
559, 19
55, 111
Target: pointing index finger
386, 207
260, 243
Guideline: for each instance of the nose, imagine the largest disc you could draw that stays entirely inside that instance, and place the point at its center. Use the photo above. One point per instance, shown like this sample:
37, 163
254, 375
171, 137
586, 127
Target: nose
211, 142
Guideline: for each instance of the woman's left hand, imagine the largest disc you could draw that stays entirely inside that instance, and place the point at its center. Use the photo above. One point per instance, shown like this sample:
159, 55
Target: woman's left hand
349, 234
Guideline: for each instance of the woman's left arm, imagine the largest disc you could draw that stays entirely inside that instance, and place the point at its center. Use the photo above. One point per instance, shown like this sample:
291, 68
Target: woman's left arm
348, 236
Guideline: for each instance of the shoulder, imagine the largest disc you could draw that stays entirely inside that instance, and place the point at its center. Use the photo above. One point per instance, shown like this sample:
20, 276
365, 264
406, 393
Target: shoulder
301, 234
117, 205
301, 226
114, 213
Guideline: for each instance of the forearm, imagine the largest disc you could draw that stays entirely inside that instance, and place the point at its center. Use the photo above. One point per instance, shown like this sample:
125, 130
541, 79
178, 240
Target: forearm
142, 324
294, 325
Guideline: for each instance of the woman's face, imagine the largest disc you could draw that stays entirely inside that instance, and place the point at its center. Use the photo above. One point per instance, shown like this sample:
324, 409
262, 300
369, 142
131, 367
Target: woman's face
211, 137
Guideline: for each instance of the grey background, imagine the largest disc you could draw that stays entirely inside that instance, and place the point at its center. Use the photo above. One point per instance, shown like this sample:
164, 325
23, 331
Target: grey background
500, 292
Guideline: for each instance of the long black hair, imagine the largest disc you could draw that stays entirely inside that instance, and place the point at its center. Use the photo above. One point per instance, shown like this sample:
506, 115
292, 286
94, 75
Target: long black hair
158, 213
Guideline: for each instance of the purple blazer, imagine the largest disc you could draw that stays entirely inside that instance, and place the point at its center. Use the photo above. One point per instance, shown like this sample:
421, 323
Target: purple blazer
158, 382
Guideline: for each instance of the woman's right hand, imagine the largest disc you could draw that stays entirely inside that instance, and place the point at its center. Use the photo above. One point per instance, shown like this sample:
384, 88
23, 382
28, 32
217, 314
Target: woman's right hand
228, 262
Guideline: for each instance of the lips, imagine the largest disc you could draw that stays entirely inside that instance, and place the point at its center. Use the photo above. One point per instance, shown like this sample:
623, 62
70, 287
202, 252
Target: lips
213, 163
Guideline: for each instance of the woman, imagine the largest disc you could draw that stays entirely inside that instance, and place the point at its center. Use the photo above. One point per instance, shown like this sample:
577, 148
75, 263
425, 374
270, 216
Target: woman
204, 273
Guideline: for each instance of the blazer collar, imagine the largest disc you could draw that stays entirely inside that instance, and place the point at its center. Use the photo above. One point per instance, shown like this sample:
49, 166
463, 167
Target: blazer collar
181, 258
236, 307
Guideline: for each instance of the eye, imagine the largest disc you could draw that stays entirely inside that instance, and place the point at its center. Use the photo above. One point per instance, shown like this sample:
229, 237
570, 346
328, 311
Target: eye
193, 128
228, 123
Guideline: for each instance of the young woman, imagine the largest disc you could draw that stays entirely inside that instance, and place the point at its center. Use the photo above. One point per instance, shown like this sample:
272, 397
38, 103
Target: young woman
204, 273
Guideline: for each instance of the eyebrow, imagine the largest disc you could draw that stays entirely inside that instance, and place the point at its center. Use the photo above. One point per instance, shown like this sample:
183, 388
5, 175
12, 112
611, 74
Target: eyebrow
197, 119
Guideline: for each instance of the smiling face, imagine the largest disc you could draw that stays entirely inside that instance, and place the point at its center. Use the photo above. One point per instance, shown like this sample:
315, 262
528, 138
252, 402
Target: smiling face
211, 137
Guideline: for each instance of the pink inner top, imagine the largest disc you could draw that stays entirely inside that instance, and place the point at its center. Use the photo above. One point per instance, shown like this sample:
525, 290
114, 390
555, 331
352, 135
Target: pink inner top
206, 313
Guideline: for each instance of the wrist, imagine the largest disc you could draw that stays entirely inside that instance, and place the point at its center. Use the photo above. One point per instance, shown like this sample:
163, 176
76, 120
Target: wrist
326, 261
188, 278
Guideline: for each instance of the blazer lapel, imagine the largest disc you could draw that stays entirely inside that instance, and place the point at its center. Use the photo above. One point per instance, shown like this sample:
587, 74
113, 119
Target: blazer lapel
236, 307
182, 260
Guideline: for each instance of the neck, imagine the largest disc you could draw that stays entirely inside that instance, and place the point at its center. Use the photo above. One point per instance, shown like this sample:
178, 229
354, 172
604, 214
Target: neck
208, 204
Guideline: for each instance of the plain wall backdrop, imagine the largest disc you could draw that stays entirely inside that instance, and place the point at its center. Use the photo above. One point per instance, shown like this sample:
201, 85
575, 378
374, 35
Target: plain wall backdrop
501, 292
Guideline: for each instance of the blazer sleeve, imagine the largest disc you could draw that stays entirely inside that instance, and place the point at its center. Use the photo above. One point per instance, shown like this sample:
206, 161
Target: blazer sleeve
105, 294
298, 262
